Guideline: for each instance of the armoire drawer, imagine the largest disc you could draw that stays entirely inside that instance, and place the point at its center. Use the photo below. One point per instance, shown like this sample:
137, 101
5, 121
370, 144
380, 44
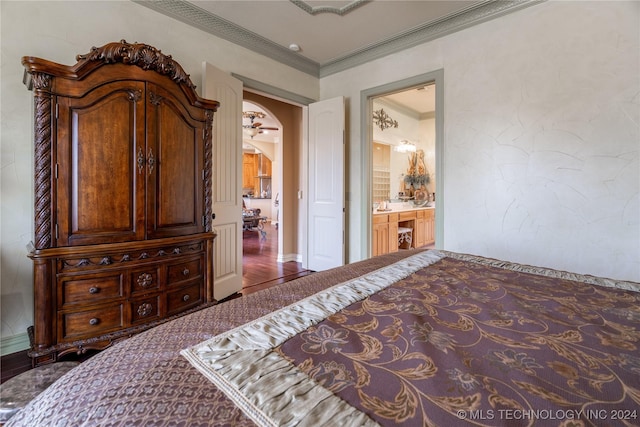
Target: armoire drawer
145, 310
90, 289
183, 271
144, 279
184, 298
90, 323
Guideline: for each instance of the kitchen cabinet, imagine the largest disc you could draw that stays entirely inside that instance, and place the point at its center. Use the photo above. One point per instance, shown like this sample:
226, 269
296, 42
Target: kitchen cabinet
256, 175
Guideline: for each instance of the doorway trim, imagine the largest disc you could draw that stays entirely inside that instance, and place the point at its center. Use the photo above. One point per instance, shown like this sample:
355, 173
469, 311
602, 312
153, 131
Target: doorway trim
273, 91
366, 130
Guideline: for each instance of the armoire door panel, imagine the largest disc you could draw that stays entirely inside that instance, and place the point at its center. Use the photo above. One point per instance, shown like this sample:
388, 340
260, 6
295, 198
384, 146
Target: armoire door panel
100, 181
175, 182
177, 147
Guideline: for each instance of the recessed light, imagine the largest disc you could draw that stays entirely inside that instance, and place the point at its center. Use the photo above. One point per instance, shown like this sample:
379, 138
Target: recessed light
294, 47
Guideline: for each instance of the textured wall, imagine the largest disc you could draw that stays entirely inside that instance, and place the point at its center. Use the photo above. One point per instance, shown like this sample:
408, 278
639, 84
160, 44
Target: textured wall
543, 153
541, 115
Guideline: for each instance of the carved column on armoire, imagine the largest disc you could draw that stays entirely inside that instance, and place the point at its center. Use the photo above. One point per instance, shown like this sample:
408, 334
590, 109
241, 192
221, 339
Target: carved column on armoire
43, 209
208, 171
208, 190
43, 159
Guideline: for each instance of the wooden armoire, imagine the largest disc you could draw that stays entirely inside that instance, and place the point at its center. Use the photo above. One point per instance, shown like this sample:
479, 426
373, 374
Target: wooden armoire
123, 169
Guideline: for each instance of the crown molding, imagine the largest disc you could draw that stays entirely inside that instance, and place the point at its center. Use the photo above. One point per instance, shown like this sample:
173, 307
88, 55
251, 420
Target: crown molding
199, 18
190, 14
469, 17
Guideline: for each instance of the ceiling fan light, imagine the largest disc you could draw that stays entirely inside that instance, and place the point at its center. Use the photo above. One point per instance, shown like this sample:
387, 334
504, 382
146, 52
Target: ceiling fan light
251, 131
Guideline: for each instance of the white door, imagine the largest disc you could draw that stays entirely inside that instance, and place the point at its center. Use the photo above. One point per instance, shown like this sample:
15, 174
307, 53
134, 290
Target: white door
227, 178
326, 185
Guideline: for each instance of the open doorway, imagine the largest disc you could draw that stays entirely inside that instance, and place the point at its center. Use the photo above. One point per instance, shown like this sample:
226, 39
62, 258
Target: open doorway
271, 176
403, 159
226, 169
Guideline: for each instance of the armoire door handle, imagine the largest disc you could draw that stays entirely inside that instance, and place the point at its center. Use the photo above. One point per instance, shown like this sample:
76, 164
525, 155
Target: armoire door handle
151, 161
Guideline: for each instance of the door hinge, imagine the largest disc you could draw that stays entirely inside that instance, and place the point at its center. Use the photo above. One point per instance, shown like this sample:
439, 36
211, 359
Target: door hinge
203, 174
56, 230
56, 171
204, 220
57, 110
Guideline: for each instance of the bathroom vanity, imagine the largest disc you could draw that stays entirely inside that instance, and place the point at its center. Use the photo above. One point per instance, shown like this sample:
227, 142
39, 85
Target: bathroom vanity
391, 228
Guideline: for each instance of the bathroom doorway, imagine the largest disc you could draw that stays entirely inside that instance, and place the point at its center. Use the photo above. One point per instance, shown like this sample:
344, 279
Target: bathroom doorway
403, 156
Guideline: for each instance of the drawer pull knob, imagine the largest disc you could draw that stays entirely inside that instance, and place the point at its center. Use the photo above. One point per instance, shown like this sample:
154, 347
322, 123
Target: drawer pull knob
186, 297
94, 321
145, 280
93, 290
185, 272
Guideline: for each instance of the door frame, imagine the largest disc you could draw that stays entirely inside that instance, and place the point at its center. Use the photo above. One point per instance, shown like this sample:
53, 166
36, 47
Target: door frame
366, 130
281, 95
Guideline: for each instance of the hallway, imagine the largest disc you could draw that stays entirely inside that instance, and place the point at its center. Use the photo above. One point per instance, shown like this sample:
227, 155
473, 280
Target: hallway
260, 268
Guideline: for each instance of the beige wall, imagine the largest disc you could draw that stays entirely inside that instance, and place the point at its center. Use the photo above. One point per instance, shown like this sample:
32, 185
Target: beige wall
541, 136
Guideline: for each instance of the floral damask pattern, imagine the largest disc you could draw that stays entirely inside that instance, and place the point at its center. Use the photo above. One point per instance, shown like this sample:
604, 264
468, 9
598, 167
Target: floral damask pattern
469, 341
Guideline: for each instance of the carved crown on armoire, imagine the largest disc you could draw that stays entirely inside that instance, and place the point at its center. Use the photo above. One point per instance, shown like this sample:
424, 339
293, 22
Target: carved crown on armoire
123, 178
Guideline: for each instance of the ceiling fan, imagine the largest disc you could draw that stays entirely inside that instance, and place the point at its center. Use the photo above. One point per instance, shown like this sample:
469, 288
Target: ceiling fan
255, 128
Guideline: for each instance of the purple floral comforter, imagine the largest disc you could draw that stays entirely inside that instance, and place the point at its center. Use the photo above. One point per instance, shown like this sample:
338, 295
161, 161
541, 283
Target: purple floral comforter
468, 341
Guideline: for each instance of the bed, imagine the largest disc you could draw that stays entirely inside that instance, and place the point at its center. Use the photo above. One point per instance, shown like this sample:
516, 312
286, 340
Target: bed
419, 337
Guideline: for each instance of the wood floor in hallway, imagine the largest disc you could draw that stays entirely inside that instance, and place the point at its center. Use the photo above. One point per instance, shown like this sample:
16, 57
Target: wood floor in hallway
260, 268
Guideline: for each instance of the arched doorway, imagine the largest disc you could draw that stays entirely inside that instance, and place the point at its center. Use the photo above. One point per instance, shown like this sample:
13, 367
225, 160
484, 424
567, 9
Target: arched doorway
275, 156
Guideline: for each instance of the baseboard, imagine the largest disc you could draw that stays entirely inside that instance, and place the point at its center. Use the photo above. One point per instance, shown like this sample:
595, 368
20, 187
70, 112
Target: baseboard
289, 257
14, 344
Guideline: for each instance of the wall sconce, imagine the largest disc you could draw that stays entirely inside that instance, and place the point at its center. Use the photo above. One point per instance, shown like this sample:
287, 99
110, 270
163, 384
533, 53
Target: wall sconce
382, 120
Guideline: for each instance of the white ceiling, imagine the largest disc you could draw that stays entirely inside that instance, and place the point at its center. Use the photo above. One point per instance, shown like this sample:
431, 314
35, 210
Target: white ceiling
328, 36
419, 100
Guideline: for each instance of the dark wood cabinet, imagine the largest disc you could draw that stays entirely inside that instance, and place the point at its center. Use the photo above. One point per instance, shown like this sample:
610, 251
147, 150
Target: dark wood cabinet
123, 237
